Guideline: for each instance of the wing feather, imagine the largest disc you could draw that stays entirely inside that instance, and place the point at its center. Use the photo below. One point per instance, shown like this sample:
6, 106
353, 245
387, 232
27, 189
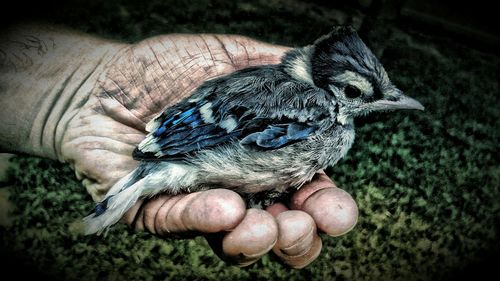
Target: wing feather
226, 110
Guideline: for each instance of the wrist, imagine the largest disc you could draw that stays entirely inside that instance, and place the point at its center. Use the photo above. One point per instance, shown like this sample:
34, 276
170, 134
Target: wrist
47, 75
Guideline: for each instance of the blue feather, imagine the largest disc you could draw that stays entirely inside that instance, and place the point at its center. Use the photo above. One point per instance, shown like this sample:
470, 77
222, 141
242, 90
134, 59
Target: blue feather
272, 142
101, 207
298, 131
172, 138
166, 122
186, 131
163, 126
276, 136
195, 124
207, 142
191, 118
197, 139
184, 115
160, 131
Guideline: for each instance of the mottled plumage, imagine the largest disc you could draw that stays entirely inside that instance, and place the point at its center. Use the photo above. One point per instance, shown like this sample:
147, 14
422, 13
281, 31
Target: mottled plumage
260, 129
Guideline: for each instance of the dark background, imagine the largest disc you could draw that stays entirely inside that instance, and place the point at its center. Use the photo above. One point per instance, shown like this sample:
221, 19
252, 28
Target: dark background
427, 184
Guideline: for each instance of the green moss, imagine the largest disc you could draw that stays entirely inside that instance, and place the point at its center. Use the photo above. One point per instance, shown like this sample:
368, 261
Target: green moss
427, 183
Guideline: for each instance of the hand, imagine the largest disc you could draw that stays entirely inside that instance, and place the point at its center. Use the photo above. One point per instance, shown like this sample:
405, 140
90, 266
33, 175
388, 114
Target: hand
136, 82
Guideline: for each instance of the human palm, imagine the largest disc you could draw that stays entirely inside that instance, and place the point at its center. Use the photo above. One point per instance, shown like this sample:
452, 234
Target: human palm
138, 83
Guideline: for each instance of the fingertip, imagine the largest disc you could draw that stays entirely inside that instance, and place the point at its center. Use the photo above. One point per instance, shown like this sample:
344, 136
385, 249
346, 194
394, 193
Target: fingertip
304, 259
308, 257
252, 238
214, 211
298, 242
333, 209
296, 232
319, 181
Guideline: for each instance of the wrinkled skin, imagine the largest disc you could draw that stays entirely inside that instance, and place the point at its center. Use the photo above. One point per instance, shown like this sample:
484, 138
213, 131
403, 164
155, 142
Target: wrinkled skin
136, 83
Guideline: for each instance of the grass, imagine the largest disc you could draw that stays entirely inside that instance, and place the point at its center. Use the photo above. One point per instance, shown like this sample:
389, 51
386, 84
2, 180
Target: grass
427, 183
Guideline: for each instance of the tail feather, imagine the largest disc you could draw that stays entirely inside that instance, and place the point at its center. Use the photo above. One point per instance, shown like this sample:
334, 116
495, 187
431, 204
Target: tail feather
121, 197
141, 182
112, 209
126, 181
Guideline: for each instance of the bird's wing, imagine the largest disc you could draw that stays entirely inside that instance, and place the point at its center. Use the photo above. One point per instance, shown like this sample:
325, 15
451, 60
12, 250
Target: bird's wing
258, 107
201, 126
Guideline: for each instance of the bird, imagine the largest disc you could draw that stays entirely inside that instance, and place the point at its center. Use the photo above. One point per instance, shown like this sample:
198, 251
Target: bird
267, 128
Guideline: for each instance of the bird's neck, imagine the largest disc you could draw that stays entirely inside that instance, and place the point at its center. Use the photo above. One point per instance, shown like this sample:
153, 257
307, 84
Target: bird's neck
344, 118
297, 63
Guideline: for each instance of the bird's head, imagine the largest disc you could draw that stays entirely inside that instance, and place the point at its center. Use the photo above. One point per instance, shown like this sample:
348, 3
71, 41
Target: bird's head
342, 64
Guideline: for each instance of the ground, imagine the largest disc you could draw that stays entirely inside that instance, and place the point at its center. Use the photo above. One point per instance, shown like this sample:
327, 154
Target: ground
427, 183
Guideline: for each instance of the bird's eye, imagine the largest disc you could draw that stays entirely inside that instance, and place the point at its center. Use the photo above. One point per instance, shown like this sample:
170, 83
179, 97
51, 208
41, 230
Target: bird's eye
352, 92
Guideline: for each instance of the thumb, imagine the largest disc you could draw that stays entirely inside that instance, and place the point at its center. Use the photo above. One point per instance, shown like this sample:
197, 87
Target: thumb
244, 51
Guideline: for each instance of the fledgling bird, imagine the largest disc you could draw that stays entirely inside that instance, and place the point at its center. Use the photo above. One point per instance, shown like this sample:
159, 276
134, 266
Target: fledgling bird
264, 128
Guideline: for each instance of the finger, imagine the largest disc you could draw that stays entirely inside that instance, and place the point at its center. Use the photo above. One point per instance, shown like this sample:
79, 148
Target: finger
158, 210
334, 210
251, 239
205, 211
298, 241
276, 209
319, 181
133, 216
181, 62
243, 51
